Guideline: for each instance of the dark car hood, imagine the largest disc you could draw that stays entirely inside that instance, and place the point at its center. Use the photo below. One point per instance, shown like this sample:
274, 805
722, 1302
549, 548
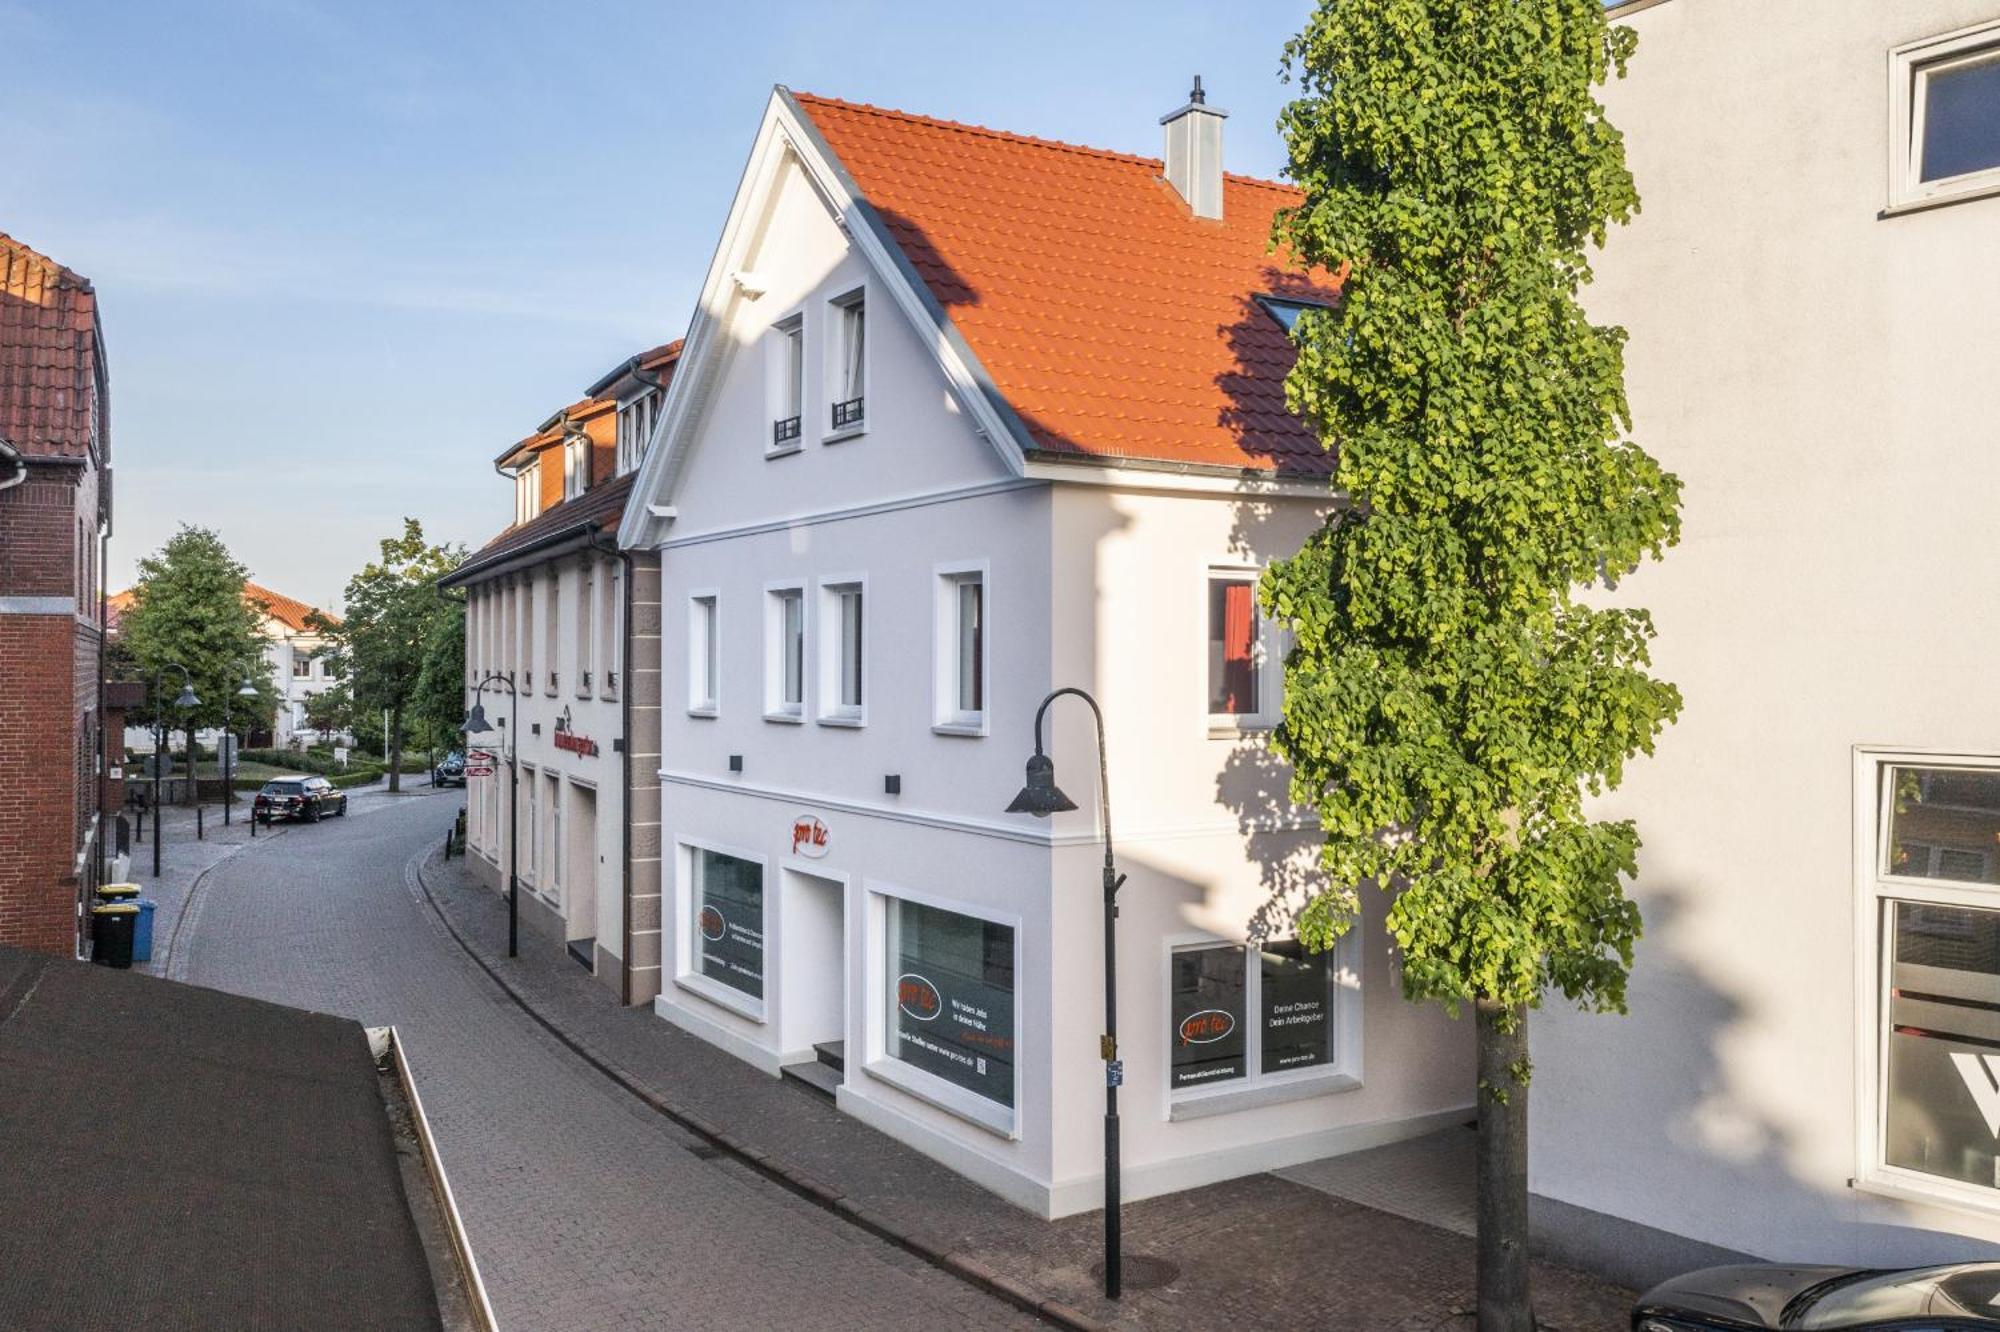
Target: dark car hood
1754, 1294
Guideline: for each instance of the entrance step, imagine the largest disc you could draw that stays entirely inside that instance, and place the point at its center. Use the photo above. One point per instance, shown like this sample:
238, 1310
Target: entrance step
833, 1054
585, 953
814, 1076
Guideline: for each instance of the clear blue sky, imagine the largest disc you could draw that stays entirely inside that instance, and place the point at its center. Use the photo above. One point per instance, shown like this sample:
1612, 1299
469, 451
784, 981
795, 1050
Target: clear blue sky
347, 250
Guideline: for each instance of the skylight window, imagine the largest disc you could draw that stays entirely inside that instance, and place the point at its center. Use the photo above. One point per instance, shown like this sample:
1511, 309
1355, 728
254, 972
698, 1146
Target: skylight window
1287, 312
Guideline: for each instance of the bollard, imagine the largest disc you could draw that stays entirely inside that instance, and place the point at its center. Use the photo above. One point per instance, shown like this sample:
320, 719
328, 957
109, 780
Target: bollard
141, 812
197, 823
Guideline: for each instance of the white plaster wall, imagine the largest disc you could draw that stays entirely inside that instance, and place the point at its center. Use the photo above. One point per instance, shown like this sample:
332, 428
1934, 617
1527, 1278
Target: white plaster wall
1821, 377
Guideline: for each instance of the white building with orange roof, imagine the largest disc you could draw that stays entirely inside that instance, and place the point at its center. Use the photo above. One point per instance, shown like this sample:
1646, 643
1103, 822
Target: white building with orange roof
964, 418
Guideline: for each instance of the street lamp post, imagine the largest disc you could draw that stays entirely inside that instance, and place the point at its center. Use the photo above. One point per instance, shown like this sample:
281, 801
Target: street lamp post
1041, 797
185, 701
247, 690
476, 724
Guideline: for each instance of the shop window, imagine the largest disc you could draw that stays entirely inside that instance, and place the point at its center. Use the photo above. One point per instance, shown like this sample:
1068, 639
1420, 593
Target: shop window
1236, 656
950, 1003
1945, 100
728, 922
1240, 1016
1932, 899
961, 651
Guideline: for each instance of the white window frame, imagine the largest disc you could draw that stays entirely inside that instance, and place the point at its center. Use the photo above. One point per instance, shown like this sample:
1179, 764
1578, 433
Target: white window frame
576, 465
1910, 66
687, 975
1269, 666
1874, 888
557, 797
785, 372
1256, 1087
776, 707
879, 1064
947, 718
635, 426
610, 628
704, 643
835, 380
586, 626
526, 870
833, 711
528, 492
552, 628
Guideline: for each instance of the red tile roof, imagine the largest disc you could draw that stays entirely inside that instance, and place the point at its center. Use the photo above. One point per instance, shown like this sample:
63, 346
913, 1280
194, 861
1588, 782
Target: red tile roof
1115, 322
51, 356
288, 612
598, 508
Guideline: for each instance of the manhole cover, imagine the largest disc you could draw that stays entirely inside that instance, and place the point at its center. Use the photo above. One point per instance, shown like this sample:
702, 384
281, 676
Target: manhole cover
1141, 1273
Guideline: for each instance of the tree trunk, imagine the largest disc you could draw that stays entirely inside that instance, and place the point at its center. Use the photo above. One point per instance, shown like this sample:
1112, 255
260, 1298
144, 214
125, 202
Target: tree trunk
395, 750
1504, 1303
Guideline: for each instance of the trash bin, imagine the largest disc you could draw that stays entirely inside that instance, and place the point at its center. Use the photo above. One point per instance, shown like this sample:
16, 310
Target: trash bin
142, 930
117, 892
111, 926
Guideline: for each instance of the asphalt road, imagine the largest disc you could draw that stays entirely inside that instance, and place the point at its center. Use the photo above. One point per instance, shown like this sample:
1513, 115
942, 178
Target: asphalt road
586, 1209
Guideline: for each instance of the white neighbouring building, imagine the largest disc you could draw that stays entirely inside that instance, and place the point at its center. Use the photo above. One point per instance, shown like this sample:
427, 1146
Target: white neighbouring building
1813, 298
550, 629
964, 417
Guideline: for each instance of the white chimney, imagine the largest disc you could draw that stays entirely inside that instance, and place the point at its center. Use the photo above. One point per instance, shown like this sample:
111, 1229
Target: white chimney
1194, 153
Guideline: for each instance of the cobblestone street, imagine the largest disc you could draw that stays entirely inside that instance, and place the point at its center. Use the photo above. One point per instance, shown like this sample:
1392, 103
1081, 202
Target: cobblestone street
586, 1209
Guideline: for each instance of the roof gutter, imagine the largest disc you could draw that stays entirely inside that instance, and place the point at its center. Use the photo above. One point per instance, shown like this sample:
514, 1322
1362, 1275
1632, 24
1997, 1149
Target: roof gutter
539, 549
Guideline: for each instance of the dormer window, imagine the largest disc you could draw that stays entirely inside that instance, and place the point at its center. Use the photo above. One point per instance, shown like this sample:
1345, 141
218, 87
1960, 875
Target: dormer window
635, 429
1287, 311
576, 465
849, 372
788, 383
528, 492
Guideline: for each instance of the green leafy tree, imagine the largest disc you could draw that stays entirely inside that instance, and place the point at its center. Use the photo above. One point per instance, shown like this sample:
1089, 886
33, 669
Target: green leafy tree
392, 607
440, 699
1453, 698
189, 610
331, 711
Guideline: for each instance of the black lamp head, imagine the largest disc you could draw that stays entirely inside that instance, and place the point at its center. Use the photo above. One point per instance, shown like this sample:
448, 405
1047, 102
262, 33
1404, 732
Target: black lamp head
475, 720
1041, 797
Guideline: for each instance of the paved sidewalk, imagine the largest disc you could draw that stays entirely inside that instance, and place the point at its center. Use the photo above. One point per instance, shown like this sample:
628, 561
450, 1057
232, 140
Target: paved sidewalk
1255, 1252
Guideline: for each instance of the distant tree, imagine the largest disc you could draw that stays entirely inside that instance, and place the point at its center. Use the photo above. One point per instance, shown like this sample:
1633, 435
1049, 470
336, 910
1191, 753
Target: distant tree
392, 608
440, 698
189, 610
1453, 697
331, 710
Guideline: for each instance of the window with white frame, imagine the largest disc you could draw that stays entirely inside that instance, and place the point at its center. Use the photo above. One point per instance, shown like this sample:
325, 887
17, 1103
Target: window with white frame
576, 465
586, 627
302, 664
558, 846
961, 650
787, 363
1241, 1016
1931, 925
843, 617
950, 1005
533, 864
848, 374
608, 620
704, 654
1237, 684
635, 428
1945, 103
726, 942
785, 654
528, 491
551, 623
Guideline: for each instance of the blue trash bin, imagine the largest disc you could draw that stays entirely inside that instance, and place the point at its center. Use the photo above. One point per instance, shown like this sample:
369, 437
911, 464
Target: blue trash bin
142, 932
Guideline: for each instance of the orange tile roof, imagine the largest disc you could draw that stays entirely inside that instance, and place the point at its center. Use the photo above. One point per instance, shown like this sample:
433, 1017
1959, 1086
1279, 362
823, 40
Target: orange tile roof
51, 354
1116, 324
288, 612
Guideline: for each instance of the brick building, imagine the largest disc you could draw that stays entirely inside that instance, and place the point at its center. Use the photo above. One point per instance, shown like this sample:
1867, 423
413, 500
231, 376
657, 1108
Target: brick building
55, 514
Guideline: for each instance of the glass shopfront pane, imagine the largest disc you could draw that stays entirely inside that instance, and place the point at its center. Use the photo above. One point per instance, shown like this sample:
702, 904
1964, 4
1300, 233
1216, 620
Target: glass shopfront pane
1209, 1043
729, 921
951, 998
1296, 1004
1944, 823
1943, 1081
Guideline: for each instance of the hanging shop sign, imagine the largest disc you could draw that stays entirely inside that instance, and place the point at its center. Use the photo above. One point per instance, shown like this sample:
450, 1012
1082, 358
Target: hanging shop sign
567, 739
809, 837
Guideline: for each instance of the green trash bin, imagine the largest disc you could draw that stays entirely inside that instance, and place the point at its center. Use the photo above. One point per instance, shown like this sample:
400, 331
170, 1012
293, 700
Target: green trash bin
111, 928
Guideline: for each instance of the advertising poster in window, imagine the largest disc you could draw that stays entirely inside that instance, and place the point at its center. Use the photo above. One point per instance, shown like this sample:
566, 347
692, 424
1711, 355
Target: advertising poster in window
951, 1010
1943, 1083
729, 921
1296, 1032
1209, 1043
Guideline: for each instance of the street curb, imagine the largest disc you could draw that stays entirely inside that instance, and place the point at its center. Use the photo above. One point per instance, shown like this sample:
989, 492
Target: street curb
793, 1180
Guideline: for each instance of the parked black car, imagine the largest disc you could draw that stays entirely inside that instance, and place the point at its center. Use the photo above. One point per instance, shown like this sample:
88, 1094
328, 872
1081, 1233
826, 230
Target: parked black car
1761, 1297
450, 770
308, 798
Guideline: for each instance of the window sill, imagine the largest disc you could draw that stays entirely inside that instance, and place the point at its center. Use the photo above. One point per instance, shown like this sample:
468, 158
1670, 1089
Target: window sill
844, 433
722, 996
970, 730
785, 718
839, 719
709, 712
1904, 207
1202, 1104
1239, 728
954, 1101
1958, 1197
785, 450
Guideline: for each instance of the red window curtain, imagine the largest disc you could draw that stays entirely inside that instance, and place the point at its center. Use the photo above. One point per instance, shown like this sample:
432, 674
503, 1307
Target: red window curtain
1239, 637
